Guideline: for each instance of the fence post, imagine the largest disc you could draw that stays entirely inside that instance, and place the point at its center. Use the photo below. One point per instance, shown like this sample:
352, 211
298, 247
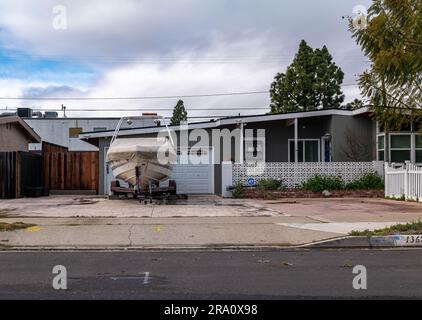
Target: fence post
406, 179
226, 178
386, 179
379, 167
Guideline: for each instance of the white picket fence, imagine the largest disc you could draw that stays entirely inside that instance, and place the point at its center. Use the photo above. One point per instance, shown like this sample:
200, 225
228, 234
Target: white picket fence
403, 182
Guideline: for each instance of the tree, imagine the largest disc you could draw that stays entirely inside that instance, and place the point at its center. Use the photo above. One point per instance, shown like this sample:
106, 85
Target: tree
313, 80
353, 105
179, 114
391, 38
357, 147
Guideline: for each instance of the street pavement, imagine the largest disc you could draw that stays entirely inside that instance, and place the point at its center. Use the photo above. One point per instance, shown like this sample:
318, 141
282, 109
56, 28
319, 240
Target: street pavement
288, 274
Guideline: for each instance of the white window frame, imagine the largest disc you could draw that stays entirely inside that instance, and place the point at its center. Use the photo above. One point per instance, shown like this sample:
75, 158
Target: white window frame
412, 144
384, 150
415, 148
304, 140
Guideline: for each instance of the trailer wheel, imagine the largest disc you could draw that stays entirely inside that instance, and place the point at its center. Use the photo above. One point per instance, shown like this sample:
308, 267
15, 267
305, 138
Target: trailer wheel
172, 187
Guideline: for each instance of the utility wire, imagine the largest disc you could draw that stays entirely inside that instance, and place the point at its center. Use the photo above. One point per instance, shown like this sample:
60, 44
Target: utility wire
138, 98
144, 109
147, 97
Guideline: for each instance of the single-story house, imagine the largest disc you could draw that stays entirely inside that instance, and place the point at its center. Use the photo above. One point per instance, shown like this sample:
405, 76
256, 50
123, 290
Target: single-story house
19, 169
330, 135
16, 135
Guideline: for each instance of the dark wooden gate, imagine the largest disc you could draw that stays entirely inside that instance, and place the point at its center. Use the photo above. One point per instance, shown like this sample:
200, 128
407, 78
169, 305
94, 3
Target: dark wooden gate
9, 188
30, 171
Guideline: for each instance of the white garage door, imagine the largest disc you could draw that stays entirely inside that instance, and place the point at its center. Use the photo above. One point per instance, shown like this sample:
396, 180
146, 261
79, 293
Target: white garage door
194, 178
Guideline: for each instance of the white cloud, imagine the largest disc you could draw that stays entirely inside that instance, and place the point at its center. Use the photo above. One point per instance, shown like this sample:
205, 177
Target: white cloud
113, 36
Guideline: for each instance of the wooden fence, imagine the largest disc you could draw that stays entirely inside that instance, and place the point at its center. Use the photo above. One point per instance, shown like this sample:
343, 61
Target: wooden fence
9, 188
403, 181
71, 170
18, 172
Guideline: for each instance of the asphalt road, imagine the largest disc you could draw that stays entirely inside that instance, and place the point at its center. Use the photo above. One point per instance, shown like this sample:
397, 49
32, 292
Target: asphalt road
212, 275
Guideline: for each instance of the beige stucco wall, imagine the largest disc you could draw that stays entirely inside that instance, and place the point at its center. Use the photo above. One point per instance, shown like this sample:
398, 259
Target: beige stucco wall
12, 138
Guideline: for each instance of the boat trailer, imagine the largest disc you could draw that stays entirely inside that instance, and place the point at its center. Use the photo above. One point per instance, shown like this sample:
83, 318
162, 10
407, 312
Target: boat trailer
145, 196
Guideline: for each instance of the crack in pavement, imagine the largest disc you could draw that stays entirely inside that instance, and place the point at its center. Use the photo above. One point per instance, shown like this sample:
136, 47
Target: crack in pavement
129, 237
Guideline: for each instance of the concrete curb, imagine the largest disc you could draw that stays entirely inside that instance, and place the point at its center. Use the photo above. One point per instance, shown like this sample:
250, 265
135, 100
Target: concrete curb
346, 242
147, 248
393, 241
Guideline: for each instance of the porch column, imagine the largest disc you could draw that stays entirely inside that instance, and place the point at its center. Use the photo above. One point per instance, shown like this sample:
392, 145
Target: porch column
241, 142
296, 140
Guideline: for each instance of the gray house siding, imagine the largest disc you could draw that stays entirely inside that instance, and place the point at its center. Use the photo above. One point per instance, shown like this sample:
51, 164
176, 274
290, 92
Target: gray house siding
352, 136
278, 133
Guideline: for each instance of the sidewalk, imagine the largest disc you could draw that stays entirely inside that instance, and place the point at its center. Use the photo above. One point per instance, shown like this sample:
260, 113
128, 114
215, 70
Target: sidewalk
115, 233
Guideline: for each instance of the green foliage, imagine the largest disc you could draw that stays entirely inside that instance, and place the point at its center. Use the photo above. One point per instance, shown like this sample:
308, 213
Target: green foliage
353, 105
407, 228
369, 181
179, 114
270, 184
237, 191
319, 183
311, 81
392, 39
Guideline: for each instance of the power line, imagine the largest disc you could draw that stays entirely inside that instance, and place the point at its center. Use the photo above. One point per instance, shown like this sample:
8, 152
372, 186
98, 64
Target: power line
138, 98
146, 97
143, 109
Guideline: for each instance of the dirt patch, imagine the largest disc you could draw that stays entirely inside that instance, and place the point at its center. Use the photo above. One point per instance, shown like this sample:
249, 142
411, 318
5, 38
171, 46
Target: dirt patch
14, 226
251, 193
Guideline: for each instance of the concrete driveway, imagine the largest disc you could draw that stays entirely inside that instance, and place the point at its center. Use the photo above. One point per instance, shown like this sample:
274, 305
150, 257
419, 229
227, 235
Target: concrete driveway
201, 222
77, 206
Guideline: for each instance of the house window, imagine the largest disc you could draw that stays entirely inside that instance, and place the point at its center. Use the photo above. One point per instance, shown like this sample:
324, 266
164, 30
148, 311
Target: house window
418, 148
74, 132
308, 150
400, 147
254, 149
381, 147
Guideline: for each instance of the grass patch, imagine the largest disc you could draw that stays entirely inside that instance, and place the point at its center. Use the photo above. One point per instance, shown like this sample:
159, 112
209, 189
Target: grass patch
407, 228
14, 226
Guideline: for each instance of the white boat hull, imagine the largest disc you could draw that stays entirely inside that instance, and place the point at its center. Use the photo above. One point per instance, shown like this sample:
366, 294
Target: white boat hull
136, 160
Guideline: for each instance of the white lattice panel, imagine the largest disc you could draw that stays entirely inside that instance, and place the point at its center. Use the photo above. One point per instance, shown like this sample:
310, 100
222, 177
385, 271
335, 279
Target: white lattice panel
294, 174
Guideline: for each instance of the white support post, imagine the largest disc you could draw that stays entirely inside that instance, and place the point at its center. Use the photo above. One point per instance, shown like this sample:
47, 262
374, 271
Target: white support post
296, 151
242, 138
226, 178
406, 179
296, 140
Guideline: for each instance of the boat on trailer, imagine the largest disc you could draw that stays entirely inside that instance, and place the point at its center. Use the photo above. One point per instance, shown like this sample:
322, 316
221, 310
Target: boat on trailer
137, 162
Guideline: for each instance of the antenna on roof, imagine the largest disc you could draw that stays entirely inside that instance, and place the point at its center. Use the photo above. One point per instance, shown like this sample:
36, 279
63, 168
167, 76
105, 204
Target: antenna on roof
64, 110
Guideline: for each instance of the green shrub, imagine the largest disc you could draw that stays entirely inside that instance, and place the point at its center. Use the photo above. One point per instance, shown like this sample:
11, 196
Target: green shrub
270, 184
319, 183
367, 182
237, 191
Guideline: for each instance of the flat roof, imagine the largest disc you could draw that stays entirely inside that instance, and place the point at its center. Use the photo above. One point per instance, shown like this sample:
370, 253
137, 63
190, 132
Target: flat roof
227, 121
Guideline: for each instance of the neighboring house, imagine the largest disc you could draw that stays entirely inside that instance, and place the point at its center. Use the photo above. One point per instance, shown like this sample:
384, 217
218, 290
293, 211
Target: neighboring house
65, 131
400, 146
320, 136
15, 134
19, 169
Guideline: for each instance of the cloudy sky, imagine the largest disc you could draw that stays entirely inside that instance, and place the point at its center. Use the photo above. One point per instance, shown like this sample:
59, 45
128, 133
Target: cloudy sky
150, 48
